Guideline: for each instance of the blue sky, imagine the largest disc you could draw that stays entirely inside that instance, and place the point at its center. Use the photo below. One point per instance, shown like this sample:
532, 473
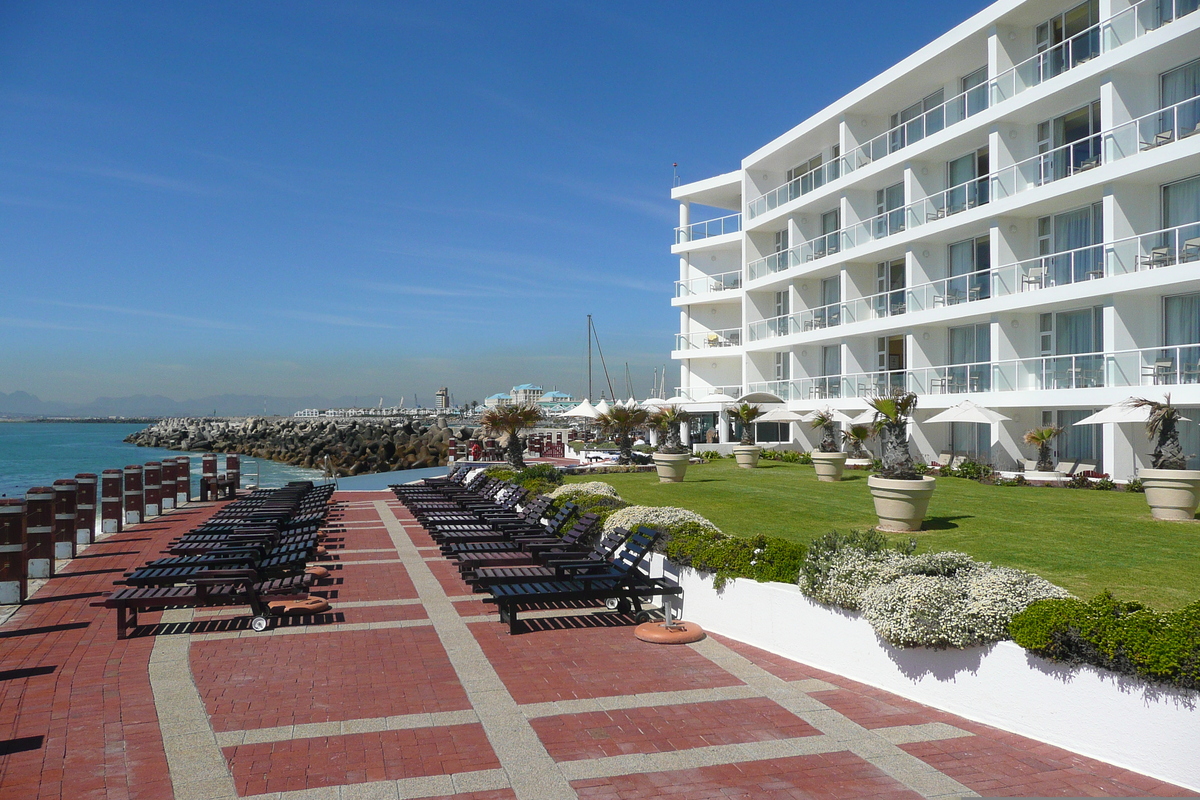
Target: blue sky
380, 198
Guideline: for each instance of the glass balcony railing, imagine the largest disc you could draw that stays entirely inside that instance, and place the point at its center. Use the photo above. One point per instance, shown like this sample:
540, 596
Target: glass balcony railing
1121, 28
781, 389
1153, 130
1053, 165
733, 391
720, 226
730, 337
708, 284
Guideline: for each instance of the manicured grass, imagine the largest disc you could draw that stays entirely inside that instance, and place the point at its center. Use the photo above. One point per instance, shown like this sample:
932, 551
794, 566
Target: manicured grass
1085, 541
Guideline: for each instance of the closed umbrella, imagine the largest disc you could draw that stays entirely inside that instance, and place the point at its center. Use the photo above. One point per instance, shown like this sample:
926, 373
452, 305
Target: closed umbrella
966, 411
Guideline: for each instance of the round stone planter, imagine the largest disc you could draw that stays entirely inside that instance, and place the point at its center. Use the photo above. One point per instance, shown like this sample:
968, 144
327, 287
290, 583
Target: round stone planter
671, 466
901, 505
1173, 494
747, 455
858, 462
1043, 477
829, 466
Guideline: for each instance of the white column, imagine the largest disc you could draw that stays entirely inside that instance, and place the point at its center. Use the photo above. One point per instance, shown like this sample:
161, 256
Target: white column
685, 434
723, 427
685, 217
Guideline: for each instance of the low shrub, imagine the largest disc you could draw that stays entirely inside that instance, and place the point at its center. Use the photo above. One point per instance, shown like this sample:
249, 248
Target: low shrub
1135, 486
1079, 482
570, 491
805, 458
663, 518
943, 599
793, 456
1124, 637
709, 455
771, 455
1019, 480
1105, 485
500, 473
762, 558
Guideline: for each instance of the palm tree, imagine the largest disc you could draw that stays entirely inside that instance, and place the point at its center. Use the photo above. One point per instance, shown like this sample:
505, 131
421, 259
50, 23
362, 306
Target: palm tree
825, 421
892, 413
1163, 427
746, 413
668, 420
856, 439
619, 423
1041, 439
511, 420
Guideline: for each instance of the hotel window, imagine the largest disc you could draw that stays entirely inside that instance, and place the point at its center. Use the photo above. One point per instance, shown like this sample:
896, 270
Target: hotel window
1181, 207
1070, 246
1072, 344
830, 225
889, 210
1067, 39
829, 384
967, 181
830, 312
1077, 443
1070, 143
889, 288
973, 88
1174, 9
970, 262
781, 240
783, 366
916, 122
969, 369
1179, 86
783, 303
1178, 362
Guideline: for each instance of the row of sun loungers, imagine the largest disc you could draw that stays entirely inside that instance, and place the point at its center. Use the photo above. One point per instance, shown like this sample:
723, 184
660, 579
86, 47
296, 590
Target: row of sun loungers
526, 558
253, 552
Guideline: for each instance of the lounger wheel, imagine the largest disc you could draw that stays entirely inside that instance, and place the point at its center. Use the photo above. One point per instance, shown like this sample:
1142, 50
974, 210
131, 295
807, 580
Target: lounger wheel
259, 624
624, 606
643, 616
611, 603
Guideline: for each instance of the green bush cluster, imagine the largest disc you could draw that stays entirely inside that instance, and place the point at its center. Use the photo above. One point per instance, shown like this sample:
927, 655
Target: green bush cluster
709, 455
1124, 637
1018, 480
1136, 486
971, 470
762, 558
786, 456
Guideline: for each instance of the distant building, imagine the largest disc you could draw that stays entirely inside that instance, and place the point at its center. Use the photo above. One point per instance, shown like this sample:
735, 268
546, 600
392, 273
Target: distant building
498, 399
441, 398
526, 394
308, 412
552, 402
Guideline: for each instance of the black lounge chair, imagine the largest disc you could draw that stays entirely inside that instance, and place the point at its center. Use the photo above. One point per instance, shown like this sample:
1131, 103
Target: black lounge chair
522, 550
625, 584
551, 565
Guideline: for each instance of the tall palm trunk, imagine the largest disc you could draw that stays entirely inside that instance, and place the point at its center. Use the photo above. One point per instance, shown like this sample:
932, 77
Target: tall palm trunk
516, 451
897, 459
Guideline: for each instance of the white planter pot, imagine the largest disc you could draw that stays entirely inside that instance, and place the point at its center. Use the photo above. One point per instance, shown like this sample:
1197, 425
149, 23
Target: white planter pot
1043, 477
671, 466
859, 462
901, 505
1173, 494
747, 455
829, 466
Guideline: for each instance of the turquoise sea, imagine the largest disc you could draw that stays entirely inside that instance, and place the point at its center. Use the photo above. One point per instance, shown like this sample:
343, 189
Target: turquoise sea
39, 453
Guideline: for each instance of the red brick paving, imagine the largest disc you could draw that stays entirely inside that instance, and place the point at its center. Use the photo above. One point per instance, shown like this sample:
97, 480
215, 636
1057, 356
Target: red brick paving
449, 578
359, 758
778, 666
264, 682
591, 662
365, 582
829, 775
570, 737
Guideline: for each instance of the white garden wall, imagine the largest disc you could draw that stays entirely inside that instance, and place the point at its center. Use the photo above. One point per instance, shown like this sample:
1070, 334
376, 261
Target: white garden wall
1082, 709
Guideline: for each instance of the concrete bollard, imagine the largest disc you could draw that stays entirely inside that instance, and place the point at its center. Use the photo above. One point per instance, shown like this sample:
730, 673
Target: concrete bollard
12, 551
208, 477
233, 471
66, 494
85, 509
39, 532
133, 500
152, 488
183, 480
452, 451
166, 497
110, 501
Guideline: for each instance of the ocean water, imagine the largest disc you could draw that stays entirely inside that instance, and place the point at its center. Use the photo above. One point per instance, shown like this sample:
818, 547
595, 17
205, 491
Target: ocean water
39, 453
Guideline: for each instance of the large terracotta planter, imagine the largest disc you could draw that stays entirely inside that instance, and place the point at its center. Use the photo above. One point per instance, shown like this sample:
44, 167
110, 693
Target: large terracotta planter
747, 455
901, 505
671, 466
1173, 494
829, 466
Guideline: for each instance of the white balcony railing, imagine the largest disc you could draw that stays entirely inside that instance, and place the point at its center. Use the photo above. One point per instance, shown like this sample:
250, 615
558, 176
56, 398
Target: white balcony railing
707, 284
696, 392
708, 228
1153, 130
1061, 162
730, 337
1121, 28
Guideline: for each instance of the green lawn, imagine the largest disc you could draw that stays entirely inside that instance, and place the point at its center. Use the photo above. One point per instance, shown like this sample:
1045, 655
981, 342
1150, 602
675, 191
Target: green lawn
1085, 541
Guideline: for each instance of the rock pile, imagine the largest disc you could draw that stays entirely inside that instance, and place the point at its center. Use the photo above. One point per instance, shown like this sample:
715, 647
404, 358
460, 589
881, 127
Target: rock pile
353, 446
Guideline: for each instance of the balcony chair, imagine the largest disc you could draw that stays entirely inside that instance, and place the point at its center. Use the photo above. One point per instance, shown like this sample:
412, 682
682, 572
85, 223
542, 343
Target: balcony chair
1158, 257
1035, 277
1160, 372
1190, 250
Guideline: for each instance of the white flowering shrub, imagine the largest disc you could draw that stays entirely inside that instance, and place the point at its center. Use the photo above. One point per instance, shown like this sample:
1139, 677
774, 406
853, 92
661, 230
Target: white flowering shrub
942, 599
663, 518
569, 491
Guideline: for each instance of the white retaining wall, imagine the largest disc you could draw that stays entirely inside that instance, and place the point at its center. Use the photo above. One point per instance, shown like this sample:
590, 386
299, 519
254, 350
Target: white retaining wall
1086, 710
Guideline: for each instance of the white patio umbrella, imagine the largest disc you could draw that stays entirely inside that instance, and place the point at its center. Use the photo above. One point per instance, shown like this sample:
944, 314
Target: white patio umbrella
631, 403
865, 418
676, 400
715, 397
838, 416
966, 411
584, 409
603, 407
780, 415
653, 403
1117, 413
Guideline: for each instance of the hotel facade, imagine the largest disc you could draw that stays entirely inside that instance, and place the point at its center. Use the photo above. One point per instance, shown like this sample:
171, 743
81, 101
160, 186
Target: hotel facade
1009, 216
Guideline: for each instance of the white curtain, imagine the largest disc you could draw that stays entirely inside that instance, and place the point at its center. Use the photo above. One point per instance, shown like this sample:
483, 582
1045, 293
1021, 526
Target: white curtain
1074, 332
1182, 316
1073, 230
1181, 202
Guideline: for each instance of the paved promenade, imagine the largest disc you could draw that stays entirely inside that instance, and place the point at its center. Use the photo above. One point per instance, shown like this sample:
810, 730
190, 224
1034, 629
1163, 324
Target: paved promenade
410, 688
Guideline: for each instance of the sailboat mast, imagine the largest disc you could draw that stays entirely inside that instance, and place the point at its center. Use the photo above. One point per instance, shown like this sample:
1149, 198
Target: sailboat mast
589, 334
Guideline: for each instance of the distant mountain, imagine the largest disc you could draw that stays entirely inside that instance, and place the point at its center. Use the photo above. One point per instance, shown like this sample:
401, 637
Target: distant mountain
23, 404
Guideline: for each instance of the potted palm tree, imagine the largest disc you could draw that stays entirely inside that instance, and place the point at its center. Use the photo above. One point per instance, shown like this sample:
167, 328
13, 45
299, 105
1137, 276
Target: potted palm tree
672, 457
855, 440
619, 424
1172, 490
901, 495
828, 458
747, 452
1041, 439
510, 420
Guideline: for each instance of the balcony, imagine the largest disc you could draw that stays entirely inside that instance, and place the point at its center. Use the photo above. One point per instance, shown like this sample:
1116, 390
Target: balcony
696, 392
708, 284
709, 340
697, 231
1121, 28
1153, 130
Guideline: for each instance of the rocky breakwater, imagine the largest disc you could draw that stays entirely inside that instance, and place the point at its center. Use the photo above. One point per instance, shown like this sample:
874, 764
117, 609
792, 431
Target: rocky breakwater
353, 446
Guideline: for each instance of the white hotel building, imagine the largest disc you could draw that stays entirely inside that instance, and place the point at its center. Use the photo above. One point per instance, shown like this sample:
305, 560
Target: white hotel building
1011, 215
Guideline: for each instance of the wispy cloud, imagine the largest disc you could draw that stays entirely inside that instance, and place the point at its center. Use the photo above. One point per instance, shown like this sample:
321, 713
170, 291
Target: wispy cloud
199, 322
37, 324
333, 319
147, 180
